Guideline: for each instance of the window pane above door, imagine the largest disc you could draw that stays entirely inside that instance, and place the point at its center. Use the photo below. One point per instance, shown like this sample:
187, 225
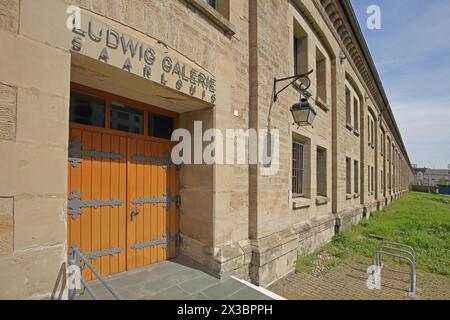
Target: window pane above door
86, 109
160, 126
127, 119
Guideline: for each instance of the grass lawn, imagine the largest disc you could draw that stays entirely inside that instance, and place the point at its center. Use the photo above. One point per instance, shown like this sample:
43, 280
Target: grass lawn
419, 220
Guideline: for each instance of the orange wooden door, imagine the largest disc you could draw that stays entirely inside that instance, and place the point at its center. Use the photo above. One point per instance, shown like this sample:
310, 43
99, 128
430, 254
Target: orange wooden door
105, 183
153, 212
99, 228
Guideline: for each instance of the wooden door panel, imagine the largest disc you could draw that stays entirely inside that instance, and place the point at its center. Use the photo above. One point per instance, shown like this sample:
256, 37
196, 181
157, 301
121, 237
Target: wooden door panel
101, 228
150, 181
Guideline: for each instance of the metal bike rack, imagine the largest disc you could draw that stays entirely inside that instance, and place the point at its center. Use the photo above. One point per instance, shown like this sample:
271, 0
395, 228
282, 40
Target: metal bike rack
78, 259
401, 251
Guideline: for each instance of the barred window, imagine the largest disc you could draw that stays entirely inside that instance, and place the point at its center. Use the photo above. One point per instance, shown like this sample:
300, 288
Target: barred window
298, 170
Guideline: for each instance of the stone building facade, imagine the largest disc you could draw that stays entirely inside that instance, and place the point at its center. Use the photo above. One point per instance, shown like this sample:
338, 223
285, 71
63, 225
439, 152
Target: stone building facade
431, 177
190, 60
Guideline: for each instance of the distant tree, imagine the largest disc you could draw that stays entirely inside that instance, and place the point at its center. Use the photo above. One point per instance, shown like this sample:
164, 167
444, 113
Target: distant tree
443, 182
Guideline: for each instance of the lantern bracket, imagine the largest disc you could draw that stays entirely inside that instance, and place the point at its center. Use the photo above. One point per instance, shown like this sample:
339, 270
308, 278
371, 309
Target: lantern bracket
293, 80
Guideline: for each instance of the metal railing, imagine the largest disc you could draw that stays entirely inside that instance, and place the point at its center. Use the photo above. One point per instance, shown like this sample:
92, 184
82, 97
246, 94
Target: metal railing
77, 261
402, 252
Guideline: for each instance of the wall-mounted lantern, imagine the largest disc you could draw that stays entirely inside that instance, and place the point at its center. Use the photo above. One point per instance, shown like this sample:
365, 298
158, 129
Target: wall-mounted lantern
302, 112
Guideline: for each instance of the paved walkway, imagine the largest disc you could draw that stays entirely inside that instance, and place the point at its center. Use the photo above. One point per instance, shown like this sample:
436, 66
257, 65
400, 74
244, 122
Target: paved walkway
174, 280
347, 281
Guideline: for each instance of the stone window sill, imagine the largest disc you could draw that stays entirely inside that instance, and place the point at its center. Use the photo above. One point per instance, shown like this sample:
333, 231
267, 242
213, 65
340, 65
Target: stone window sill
320, 200
214, 16
301, 203
349, 126
356, 132
356, 195
322, 104
349, 196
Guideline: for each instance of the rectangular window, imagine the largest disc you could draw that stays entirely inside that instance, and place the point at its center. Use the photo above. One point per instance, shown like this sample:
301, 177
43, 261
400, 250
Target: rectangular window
356, 182
160, 126
372, 128
348, 106
381, 143
127, 119
368, 179
370, 131
388, 156
321, 75
349, 176
296, 56
300, 49
87, 110
356, 114
372, 181
298, 169
321, 172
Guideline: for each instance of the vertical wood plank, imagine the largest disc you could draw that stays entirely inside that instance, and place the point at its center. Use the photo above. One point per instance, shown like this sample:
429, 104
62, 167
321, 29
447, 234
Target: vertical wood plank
115, 175
105, 211
123, 216
153, 208
173, 214
140, 194
176, 221
96, 194
86, 191
147, 207
161, 210
75, 186
69, 190
131, 193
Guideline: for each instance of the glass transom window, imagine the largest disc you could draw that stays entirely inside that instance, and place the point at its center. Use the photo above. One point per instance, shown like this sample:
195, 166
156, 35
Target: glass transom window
87, 110
160, 126
126, 119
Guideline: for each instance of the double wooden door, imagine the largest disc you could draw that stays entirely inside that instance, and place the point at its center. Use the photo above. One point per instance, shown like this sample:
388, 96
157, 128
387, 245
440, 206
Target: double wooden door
123, 206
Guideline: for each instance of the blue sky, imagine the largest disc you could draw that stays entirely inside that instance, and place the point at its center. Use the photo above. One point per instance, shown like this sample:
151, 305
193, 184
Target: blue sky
412, 55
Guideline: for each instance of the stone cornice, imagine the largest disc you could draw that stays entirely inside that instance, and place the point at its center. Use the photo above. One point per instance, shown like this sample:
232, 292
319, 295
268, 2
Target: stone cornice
346, 27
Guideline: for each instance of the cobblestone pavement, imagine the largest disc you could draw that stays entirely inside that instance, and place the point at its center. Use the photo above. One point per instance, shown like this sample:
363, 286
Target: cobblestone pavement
347, 281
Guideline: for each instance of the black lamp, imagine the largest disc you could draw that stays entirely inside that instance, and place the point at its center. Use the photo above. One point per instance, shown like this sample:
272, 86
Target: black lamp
302, 112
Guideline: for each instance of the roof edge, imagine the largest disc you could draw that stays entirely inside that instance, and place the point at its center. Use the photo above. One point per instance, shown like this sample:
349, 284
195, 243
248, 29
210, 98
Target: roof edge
351, 16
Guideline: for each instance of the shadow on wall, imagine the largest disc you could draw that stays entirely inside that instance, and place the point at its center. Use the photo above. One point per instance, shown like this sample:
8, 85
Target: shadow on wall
60, 284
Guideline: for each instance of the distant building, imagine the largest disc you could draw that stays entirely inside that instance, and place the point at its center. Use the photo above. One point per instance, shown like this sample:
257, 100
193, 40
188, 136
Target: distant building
430, 177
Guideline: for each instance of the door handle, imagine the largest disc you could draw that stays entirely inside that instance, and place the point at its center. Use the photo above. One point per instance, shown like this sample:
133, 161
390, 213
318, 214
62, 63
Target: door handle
134, 212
